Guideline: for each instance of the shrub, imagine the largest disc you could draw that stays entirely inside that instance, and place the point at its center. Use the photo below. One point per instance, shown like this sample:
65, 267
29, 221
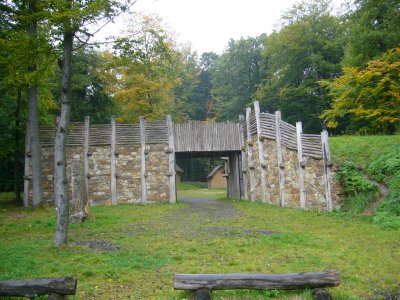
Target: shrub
353, 181
388, 211
385, 167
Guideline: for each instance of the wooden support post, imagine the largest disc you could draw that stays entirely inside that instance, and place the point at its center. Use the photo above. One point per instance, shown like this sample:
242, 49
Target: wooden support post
261, 155
143, 174
244, 162
86, 154
289, 281
27, 166
301, 162
327, 169
250, 157
202, 294
227, 177
171, 160
114, 199
281, 171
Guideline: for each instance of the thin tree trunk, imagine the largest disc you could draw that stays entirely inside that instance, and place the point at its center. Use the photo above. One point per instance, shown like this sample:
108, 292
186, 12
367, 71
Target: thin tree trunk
17, 151
60, 176
33, 121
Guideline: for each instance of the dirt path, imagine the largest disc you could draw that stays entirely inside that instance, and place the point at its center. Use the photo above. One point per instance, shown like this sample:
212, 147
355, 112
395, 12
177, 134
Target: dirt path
206, 217
209, 208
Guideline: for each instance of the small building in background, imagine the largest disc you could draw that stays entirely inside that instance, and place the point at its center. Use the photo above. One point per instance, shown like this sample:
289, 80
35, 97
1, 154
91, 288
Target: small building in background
216, 179
179, 172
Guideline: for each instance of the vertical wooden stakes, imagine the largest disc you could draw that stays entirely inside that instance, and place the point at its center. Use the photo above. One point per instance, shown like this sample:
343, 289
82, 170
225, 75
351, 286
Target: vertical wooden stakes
27, 165
143, 174
302, 190
243, 166
171, 160
86, 154
250, 156
261, 155
114, 199
327, 169
281, 171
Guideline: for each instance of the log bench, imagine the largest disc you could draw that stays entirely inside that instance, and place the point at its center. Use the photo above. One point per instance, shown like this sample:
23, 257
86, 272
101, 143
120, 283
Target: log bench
56, 288
203, 284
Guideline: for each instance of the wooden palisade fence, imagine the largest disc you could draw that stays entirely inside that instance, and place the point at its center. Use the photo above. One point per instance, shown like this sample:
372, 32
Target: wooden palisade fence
135, 163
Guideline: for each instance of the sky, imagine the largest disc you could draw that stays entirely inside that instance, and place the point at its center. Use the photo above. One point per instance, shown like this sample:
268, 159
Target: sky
208, 25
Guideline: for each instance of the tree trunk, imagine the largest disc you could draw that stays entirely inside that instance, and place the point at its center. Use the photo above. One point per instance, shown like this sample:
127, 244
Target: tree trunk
60, 174
79, 199
38, 287
17, 151
37, 192
289, 281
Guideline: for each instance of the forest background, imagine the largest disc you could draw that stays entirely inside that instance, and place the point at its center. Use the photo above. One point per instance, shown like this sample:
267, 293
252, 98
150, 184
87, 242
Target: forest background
330, 70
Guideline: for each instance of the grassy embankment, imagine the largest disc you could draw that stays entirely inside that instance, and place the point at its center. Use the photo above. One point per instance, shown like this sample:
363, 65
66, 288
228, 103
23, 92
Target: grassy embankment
370, 165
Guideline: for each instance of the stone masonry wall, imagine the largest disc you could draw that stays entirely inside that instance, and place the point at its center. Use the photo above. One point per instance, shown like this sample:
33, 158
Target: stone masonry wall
127, 173
313, 178
157, 169
271, 160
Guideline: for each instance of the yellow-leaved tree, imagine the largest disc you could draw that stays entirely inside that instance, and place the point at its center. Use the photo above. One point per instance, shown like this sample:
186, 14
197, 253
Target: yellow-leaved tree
367, 100
143, 71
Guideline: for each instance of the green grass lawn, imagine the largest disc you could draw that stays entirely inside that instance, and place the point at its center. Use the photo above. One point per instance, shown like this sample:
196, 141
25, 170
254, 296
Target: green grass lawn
156, 241
198, 190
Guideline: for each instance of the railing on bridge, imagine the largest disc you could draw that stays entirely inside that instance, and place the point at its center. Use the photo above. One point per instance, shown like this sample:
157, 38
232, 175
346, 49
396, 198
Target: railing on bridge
196, 136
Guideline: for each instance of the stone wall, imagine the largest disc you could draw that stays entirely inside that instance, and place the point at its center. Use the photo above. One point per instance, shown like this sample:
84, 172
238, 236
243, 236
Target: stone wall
157, 173
313, 177
128, 164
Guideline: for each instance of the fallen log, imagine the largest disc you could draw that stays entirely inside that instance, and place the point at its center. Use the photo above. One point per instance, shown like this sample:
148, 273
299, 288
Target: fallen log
289, 281
37, 287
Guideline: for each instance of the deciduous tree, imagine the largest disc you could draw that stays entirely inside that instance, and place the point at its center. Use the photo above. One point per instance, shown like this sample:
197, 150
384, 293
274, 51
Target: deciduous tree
369, 97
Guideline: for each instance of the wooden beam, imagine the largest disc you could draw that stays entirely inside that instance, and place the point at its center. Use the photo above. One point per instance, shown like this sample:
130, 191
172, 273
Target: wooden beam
301, 164
114, 199
327, 169
281, 170
86, 154
38, 287
143, 160
171, 160
289, 281
244, 162
27, 166
261, 155
250, 156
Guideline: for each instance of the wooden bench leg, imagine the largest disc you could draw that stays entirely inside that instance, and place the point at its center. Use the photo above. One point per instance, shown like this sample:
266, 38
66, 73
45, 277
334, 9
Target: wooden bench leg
321, 294
202, 294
